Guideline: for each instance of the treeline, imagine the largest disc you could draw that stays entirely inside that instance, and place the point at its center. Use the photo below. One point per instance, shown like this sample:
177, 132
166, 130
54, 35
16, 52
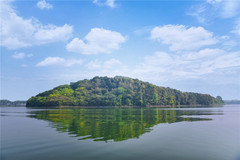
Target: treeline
232, 101
118, 91
5, 102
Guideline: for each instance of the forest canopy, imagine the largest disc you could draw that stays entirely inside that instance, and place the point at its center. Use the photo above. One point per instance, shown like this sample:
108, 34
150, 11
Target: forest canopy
117, 91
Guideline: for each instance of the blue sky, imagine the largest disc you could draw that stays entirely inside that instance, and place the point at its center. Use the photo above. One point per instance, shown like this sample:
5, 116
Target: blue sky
192, 46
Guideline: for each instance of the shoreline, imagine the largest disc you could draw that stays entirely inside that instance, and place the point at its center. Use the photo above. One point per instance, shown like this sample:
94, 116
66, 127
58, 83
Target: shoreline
147, 106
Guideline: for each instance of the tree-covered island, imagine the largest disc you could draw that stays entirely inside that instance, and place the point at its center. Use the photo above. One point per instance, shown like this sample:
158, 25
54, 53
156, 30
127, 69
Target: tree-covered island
117, 91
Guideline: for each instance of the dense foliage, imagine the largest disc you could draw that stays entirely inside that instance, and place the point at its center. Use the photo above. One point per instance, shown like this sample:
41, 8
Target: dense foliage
118, 91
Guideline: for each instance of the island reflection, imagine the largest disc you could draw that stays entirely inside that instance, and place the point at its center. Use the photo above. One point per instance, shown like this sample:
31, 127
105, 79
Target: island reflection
117, 124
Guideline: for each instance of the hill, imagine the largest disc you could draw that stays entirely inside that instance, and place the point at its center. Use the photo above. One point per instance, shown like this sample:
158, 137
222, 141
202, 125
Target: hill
117, 91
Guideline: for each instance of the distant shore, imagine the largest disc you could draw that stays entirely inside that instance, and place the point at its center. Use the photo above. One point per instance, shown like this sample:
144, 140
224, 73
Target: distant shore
18, 103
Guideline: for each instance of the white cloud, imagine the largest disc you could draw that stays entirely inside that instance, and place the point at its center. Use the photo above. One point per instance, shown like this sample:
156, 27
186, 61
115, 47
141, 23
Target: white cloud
58, 61
51, 33
210, 65
211, 9
95, 64
180, 37
199, 12
21, 55
42, 4
226, 8
144, 31
109, 3
110, 68
230, 43
202, 68
51, 61
29, 55
98, 40
109, 64
164, 66
24, 65
17, 32
112, 63
237, 27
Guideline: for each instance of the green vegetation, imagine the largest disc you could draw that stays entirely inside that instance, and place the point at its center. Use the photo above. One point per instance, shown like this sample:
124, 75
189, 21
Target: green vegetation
118, 91
117, 124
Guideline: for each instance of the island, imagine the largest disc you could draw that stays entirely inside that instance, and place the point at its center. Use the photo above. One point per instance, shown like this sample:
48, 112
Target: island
118, 91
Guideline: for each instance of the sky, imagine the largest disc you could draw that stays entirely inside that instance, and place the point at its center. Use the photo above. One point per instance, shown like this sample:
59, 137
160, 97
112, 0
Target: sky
192, 46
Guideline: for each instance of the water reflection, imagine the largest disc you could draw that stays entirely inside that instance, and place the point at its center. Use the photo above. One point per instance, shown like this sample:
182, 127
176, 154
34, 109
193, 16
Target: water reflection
115, 124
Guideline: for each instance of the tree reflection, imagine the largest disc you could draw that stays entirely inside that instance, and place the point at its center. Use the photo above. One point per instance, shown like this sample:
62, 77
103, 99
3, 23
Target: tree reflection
117, 124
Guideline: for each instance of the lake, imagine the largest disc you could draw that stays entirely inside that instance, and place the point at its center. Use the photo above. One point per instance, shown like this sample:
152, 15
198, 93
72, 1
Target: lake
205, 133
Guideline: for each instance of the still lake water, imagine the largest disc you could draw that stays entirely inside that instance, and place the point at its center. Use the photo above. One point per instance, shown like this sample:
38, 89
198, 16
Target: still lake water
209, 133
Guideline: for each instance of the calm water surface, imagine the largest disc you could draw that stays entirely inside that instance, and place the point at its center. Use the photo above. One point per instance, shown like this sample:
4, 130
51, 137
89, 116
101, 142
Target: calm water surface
210, 133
